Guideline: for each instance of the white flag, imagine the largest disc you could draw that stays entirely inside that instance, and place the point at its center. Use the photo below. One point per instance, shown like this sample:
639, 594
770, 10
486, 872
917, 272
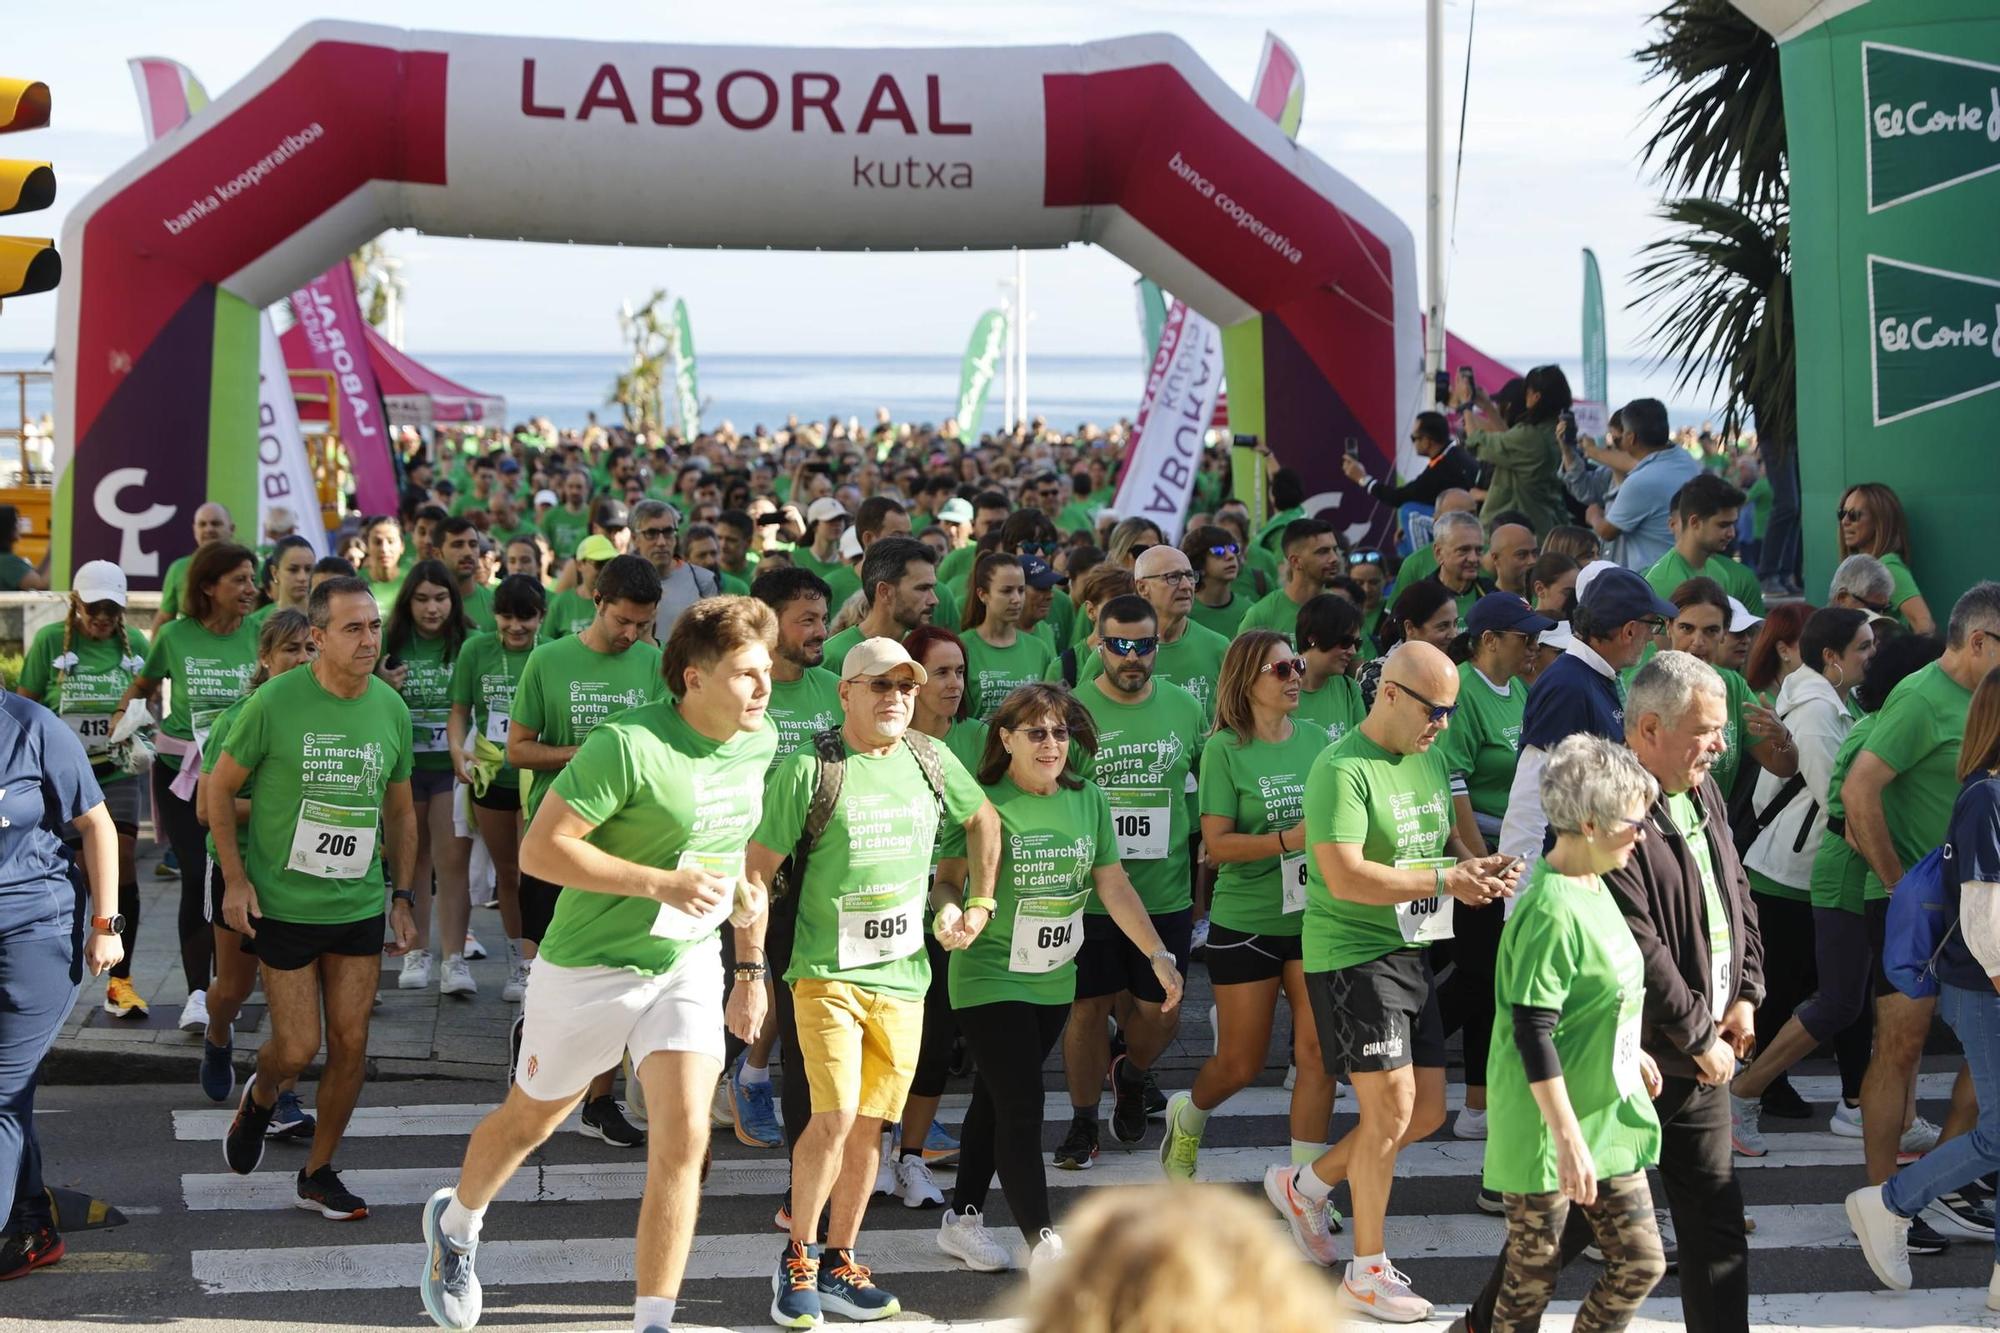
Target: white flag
1167, 438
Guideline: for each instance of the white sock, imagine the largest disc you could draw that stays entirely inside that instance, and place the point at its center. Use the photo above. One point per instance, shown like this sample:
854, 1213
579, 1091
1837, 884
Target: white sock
1363, 1262
1193, 1120
459, 1223
1307, 1182
751, 1076
652, 1312
513, 952
1304, 1152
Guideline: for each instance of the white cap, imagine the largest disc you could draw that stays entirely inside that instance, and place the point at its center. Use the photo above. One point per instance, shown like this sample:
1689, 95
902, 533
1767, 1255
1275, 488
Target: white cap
955, 510
850, 545
99, 581
1590, 572
547, 498
1560, 638
1740, 618
825, 509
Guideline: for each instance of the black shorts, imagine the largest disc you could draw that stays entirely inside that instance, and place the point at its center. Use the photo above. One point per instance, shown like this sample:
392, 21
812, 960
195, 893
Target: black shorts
1236, 956
1109, 963
289, 946
1877, 913
498, 797
427, 784
538, 907
1378, 1015
215, 895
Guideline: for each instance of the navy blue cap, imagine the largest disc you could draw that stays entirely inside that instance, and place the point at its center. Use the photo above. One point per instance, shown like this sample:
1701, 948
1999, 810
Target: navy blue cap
1500, 611
1619, 596
1040, 573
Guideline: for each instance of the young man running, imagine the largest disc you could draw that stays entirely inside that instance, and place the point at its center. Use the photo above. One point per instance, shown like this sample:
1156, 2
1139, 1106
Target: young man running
330, 749
858, 971
646, 827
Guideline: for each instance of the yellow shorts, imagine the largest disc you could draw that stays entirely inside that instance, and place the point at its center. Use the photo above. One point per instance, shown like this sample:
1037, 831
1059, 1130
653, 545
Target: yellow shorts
859, 1047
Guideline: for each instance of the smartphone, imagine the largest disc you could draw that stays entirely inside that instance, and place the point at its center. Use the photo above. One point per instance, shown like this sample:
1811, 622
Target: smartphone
1353, 447
391, 662
1243, 441
1568, 420
770, 520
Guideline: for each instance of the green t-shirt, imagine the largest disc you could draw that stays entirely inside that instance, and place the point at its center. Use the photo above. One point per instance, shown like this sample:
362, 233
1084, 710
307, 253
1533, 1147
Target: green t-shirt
1145, 753
427, 692
1739, 695
1671, 570
568, 688
803, 558
323, 766
863, 903
1918, 733
1276, 612
484, 679
564, 530
1566, 947
798, 708
1261, 788
479, 608
1335, 706
219, 736
1421, 564
1840, 877
1226, 619
732, 585
85, 696
1049, 847
172, 584
1078, 516
1271, 537
570, 613
1398, 808
658, 793
385, 591
991, 673
966, 739
957, 564
842, 583
834, 650
1761, 498
1903, 585
1193, 662
209, 672
1721, 947
1483, 741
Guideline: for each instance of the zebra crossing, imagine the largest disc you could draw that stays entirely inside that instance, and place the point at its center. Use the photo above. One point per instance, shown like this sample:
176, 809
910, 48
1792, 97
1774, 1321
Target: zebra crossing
558, 1241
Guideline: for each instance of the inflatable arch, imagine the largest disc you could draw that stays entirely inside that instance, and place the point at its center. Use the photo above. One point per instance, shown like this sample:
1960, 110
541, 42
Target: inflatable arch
348, 130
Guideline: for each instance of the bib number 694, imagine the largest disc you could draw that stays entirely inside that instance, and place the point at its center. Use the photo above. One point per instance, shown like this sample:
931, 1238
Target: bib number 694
1054, 937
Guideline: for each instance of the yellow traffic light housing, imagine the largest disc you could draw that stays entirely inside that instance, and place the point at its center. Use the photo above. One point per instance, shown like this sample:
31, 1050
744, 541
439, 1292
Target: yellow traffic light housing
26, 187
24, 105
28, 264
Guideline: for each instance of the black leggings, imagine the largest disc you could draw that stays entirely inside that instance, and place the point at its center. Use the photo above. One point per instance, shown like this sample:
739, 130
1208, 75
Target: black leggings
185, 835
1465, 999
940, 1026
538, 907
1003, 1127
1841, 1006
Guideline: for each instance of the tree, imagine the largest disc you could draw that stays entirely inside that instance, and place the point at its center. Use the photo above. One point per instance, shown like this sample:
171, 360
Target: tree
378, 283
638, 390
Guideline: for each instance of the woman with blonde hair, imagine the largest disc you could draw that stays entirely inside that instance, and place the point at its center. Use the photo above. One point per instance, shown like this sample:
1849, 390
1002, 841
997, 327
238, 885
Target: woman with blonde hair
1871, 522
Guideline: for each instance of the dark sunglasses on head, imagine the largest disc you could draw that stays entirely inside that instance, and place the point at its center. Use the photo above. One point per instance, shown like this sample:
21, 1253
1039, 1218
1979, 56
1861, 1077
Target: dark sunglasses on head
1039, 735
882, 685
1439, 712
1123, 647
1225, 550
1285, 670
1364, 556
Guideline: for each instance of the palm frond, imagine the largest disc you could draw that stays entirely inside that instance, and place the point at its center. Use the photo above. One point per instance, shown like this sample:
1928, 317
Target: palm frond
1722, 111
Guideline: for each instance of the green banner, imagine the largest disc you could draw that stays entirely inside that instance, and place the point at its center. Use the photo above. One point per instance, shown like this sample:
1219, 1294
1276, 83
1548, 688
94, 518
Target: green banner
1937, 337
687, 392
975, 373
1933, 121
1152, 315
1596, 379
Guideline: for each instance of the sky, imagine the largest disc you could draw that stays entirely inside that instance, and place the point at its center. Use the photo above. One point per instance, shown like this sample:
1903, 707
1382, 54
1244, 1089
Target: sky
1556, 115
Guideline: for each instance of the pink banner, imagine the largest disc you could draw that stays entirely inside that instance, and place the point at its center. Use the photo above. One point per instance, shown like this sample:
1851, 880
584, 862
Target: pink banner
330, 318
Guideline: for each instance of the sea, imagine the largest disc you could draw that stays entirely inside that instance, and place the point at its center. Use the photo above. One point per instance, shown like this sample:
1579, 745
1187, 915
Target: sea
766, 388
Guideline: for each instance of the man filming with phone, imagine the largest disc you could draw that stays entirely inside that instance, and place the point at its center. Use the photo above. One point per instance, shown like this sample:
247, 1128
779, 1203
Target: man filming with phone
1449, 466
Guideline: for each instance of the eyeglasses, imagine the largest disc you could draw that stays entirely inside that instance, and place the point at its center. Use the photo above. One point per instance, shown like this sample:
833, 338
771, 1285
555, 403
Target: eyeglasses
1171, 576
657, 534
1122, 647
1364, 556
882, 685
1042, 549
1225, 550
1850, 515
1654, 623
1439, 712
1042, 735
1285, 670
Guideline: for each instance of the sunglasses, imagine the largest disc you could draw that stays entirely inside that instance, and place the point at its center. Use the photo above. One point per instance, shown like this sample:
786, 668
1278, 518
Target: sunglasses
1042, 549
1041, 735
1439, 712
1140, 548
1285, 670
1225, 550
1849, 515
1122, 647
103, 610
1344, 641
882, 685
1364, 557
657, 534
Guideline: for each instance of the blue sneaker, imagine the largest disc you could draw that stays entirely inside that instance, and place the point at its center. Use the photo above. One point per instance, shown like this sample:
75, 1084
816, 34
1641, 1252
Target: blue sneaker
752, 1111
795, 1287
452, 1297
940, 1148
218, 1070
290, 1119
846, 1288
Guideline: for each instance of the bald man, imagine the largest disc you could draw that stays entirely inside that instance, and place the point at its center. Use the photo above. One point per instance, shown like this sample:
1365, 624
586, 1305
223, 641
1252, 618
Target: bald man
1385, 872
1511, 553
212, 523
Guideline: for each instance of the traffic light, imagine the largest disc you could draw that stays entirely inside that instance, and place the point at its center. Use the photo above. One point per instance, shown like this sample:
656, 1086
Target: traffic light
28, 264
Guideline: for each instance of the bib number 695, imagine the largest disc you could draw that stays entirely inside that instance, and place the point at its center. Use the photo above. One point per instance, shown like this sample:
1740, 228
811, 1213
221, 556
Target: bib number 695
885, 928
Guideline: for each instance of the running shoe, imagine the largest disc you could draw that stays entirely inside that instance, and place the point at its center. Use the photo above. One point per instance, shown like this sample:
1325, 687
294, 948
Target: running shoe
1291, 1076
1079, 1147
323, 1193
751, 1111
243, 1144
1918, 1139
1178, 1147
452, 1296
290, 1119
1128, 1101
719, 1114
1490, 1202
1048, 1251
1883, 1235
885, 1162
218, 1070
1782, 1100
22, 1252
848, 1289
516, 988
940, 1148
782, 1219
416, 973
604, 1118
1926, 1239
1845, 1121
963, 1235
455, 977
474, 950
1156, 1101
1746, 1133
915, 1185
1470, 1124
168, 866
121, 1000
795, 1287
194, 1014
1964, 1212
1383, 1291
1306, 1218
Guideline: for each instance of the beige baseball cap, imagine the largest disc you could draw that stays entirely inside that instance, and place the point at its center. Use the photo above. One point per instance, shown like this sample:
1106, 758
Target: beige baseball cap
878, 657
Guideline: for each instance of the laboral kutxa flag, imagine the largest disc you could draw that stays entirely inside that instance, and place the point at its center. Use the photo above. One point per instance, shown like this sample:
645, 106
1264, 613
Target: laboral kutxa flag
1173, 422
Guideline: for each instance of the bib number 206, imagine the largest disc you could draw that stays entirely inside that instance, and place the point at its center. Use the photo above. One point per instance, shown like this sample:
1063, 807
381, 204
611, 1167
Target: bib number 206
337, 844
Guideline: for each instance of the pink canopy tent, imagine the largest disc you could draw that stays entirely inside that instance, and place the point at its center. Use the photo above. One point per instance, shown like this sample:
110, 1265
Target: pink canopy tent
412, 393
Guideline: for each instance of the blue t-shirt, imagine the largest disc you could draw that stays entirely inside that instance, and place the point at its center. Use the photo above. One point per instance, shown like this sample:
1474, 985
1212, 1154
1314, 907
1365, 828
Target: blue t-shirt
1975, 857
45, 784
1572, 696
1639, 509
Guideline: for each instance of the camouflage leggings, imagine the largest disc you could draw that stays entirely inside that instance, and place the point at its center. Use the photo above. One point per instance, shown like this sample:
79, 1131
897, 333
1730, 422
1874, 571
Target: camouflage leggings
1621, 1220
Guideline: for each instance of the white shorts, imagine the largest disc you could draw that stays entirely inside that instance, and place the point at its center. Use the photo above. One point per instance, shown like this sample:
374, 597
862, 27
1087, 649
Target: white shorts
580, 1021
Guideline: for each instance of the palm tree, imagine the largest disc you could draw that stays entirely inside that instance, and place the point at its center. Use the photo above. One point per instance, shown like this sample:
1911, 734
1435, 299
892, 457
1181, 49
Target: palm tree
637, 390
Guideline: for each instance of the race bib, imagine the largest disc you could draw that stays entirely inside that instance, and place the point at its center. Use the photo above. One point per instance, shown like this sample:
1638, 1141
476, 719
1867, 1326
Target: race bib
1048, 931
881, 927
1625, 1059
1141, 818
200, 723
93, 730
496, 728
671, 923
333, 841
1292, 879
429, 733
1426, 920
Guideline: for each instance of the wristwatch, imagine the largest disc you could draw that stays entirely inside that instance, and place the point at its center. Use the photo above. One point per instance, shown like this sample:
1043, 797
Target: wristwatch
404, 896
109, 925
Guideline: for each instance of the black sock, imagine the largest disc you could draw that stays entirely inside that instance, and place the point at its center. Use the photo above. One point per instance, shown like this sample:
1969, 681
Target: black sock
1083, 1115
912, 1152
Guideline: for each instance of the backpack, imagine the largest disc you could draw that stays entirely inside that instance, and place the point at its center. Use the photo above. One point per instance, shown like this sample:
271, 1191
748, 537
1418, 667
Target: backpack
1923, 912
1747, 823
1069, 665
832, 752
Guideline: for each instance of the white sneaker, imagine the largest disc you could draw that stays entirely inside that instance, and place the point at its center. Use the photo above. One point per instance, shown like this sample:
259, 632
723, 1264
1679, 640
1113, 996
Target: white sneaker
473, 948
1306, 1217
1845, 1121
915, 1185
455, 978
416, 974
1048, 1251
1884, 1237
194, 1014
1384, 1292
720, 1115
1993, 1289
1920, 1137
1746, 1126
1470, 1124
516, 988
963, 1236
885, 1169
